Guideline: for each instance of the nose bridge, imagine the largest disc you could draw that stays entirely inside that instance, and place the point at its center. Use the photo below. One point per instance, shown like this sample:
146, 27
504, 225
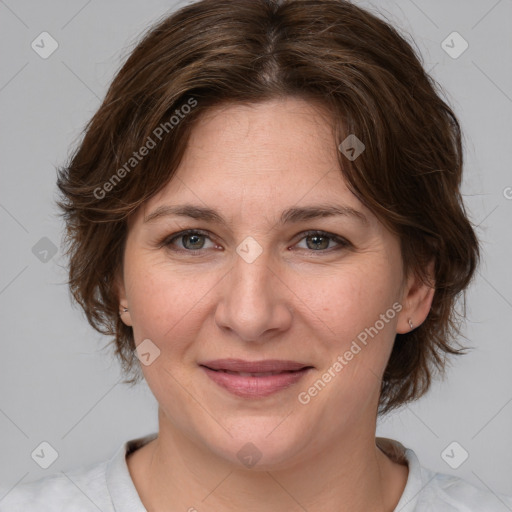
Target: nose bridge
250, 286
251, 278
251, 303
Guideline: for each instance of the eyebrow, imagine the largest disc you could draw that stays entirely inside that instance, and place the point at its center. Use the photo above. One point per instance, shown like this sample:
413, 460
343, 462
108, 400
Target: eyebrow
289, 216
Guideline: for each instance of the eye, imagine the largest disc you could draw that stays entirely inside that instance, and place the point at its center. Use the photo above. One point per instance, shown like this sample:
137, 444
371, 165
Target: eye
191, 240
320, 241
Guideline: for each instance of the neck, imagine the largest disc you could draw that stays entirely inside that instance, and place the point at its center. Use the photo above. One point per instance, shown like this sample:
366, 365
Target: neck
353, 475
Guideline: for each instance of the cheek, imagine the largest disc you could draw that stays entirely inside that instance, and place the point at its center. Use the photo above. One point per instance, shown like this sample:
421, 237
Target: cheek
167, 308
166, 304
356, 312
356, 328
350, 300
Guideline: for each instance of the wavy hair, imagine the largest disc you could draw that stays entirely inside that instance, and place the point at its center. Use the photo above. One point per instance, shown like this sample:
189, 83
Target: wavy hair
332, 52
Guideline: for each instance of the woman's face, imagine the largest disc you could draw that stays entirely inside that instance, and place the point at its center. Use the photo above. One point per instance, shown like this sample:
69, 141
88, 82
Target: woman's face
258, 282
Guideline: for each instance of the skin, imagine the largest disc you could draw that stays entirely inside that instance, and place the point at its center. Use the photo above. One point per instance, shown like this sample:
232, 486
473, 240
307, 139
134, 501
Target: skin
293, 302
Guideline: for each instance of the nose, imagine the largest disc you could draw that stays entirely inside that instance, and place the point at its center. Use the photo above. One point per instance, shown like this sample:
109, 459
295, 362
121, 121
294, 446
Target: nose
255, 302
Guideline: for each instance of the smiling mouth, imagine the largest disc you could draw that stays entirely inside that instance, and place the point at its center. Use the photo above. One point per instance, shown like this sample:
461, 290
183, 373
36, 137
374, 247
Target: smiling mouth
257, 374
256, 367
257, 379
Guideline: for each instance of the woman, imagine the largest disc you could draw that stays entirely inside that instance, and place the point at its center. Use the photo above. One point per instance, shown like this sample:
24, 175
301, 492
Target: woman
265, 213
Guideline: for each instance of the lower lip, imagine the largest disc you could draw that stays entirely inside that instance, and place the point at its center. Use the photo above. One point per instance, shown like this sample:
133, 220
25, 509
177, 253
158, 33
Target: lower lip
255, 387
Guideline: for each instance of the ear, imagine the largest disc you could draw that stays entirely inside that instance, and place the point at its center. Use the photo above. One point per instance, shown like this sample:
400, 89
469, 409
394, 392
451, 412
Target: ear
416, 301
120, 291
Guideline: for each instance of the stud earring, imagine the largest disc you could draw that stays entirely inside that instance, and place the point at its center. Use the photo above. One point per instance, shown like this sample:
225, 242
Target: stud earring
411, 325
123, 311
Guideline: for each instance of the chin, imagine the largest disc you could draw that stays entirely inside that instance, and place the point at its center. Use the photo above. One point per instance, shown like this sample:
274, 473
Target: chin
261, 445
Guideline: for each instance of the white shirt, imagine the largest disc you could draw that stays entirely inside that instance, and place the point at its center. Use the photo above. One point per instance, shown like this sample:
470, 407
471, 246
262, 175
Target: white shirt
107, 487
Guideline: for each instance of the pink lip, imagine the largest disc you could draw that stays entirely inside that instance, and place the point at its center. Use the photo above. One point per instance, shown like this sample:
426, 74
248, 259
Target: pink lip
254, 386
266, 365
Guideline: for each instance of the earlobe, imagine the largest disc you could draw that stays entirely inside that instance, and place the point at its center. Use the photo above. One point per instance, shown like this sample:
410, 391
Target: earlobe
417, 301
125, 315
120, 291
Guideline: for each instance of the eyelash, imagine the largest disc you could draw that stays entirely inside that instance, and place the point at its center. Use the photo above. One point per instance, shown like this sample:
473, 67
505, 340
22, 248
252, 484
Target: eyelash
167, 242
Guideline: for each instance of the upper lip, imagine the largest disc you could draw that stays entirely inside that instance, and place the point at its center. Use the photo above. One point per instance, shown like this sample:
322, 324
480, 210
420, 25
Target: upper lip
266, 365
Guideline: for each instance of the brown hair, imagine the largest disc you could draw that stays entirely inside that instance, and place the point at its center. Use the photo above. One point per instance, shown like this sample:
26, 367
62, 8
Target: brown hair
247, 51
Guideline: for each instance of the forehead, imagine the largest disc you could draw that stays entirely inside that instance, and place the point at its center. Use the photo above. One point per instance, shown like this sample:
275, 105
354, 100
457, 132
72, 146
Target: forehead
276, 134
279, 148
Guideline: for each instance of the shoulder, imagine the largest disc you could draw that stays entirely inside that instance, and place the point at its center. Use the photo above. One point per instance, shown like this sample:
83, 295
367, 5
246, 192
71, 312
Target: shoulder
429, 491
444, 492
105, 486
81, 489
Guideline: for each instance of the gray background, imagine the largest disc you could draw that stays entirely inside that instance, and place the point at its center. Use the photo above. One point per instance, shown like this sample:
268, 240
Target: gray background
58, 384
